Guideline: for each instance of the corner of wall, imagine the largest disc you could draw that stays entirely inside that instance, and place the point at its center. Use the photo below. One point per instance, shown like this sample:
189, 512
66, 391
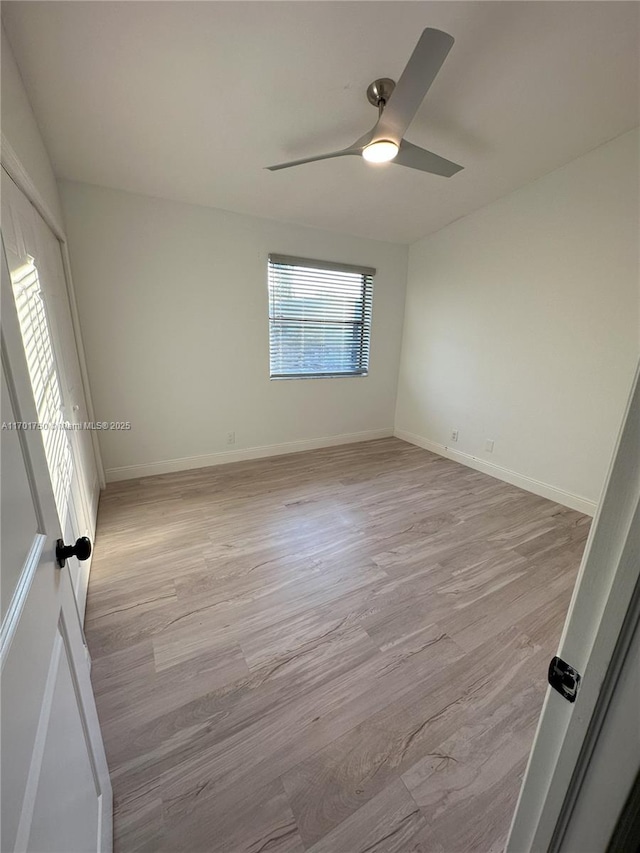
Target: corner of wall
24, 154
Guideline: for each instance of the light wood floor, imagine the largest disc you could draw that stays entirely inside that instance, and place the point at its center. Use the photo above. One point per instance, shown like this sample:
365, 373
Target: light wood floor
339, 651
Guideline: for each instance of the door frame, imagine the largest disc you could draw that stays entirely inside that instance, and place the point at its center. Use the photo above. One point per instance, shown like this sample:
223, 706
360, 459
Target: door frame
12, 164
603, 615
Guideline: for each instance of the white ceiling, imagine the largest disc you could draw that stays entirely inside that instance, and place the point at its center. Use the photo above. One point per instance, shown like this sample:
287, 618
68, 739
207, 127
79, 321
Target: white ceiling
191, 100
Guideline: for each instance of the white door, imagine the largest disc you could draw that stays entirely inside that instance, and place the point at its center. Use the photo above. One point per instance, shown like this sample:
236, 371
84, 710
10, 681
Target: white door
39, 288
56, 794
565, 804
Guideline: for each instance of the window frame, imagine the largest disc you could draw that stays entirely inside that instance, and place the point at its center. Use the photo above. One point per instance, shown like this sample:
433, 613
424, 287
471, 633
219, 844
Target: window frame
364, 347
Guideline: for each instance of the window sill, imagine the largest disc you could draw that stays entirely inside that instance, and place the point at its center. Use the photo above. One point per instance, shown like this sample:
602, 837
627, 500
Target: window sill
319, 376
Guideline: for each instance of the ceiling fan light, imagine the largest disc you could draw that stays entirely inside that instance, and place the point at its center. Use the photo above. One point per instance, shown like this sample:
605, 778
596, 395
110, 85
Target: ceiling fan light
380, 152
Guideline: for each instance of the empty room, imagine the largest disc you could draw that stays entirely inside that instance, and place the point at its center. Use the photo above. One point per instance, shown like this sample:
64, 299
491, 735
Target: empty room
320, 427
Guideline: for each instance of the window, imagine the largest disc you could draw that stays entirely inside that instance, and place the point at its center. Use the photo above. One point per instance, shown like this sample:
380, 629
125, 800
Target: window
319, 318
43, 372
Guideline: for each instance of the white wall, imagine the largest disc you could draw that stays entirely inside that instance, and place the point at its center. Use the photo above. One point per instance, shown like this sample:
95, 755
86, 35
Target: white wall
20, 131
521, 326
173, 307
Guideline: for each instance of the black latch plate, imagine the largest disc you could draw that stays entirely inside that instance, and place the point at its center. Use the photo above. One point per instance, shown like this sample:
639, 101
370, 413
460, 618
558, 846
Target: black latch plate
564, 678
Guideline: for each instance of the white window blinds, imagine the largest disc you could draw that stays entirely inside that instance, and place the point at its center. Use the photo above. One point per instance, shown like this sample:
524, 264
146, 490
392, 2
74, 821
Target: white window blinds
319, 318
36, 337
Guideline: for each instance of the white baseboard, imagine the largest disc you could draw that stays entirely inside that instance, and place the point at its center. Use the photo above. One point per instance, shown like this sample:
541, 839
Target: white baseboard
528, 483
186, 463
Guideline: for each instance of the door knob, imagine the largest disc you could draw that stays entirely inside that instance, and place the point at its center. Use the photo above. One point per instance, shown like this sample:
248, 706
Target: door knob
81, 550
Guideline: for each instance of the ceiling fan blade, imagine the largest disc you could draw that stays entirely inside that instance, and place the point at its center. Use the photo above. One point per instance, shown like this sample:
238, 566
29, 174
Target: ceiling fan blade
362, 141
420, 72
342, 153
419, 158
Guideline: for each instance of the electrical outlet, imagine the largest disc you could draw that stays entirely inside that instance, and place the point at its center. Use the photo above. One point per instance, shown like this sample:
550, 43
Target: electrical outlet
488, 445
454, 435
231, 438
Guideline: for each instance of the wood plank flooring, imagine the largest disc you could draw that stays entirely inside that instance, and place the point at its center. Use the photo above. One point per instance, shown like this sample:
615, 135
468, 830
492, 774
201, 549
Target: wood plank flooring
339, 651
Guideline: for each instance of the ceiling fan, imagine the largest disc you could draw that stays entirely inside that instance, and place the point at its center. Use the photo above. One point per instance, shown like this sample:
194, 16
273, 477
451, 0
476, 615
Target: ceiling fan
397, 104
